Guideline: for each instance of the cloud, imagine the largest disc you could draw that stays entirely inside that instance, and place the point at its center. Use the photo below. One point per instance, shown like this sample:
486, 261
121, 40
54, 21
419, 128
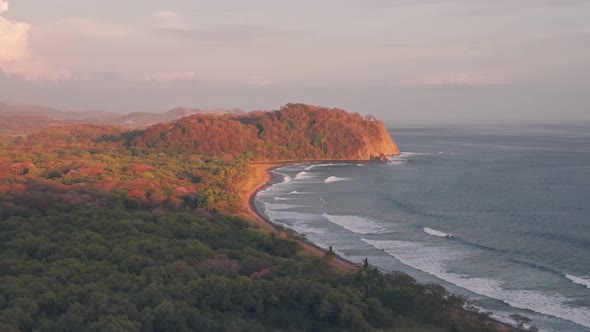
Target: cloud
169, 20
172, 23
258, 80
16, 57
169, 77
477, 7
87, 27
14, 37
459, 79
35, 70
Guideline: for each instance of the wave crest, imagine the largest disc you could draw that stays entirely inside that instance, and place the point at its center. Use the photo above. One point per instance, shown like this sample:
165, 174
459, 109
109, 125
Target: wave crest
431, 259
436, 233
578, 280
310, 167
295, 192
333, 179
355, 224
303, 175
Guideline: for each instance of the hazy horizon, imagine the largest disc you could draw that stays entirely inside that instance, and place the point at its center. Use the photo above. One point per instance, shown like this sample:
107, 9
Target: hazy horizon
409, 63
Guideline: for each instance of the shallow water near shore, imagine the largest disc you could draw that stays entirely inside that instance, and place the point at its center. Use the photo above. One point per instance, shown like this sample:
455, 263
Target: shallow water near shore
499, 216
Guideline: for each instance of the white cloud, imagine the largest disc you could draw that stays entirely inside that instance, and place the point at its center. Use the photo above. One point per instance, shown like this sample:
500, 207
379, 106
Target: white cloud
169, 20
16, 57
14, 37
89, 28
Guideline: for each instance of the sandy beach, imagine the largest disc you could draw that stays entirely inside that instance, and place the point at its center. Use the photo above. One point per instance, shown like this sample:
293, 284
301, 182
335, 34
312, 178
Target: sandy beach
258, 179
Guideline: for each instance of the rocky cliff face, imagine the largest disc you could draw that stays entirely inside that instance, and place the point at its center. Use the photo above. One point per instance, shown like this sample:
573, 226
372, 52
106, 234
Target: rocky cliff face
379, 145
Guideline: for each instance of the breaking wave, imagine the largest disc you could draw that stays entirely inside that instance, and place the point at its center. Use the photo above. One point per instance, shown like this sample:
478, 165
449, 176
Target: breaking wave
303, 175
434, 232
333, 179
295, 192
578, 280
310, 167
403, 157
286, 178
432, 261
281, 206
355, 224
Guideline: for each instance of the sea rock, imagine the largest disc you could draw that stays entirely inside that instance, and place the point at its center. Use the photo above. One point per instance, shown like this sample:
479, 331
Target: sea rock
381, 158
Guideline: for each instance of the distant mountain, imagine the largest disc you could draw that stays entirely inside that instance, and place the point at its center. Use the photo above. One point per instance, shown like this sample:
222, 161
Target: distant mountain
22, 119
140, 120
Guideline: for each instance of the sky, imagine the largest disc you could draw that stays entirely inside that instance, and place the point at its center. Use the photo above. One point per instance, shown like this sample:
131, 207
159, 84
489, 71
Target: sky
408, 62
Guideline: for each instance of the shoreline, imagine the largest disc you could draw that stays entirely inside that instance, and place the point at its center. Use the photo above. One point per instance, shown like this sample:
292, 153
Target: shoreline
261, 178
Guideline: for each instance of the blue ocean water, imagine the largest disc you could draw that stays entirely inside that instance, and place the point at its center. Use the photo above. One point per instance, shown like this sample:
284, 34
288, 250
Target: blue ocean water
501, 216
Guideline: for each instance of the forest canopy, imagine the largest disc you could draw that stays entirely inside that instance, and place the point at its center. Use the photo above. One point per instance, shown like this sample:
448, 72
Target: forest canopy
295, 132
104, 229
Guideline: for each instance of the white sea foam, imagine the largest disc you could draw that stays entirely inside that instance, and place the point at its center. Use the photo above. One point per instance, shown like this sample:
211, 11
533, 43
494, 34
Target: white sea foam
355, 224
432, 260
434, 232
291, 216
360, 165
305, 175
277, 198
578, 280
302, 223
308, 228
286, 178
310, 167
396, 160
333, 179
404, 156
412, 154
295, 192
275, 187
271, 206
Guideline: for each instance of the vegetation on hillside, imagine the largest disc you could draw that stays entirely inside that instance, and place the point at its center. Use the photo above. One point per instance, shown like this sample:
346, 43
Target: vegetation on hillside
101, 230
296, 132
23, 120
79, 268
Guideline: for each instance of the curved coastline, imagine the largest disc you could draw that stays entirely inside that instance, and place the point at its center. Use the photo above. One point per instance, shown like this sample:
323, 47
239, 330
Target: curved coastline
263, 178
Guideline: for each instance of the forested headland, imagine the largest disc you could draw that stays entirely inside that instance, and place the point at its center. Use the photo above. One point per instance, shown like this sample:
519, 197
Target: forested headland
106, 229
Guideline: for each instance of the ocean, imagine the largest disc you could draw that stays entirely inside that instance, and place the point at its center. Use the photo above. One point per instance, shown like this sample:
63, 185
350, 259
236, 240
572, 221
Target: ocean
498, 215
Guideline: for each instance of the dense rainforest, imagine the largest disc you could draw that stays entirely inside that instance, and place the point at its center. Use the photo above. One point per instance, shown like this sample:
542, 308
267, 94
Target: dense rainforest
103, 229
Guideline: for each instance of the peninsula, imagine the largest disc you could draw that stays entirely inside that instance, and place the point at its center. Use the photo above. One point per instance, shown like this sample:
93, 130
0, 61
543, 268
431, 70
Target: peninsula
105, 228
